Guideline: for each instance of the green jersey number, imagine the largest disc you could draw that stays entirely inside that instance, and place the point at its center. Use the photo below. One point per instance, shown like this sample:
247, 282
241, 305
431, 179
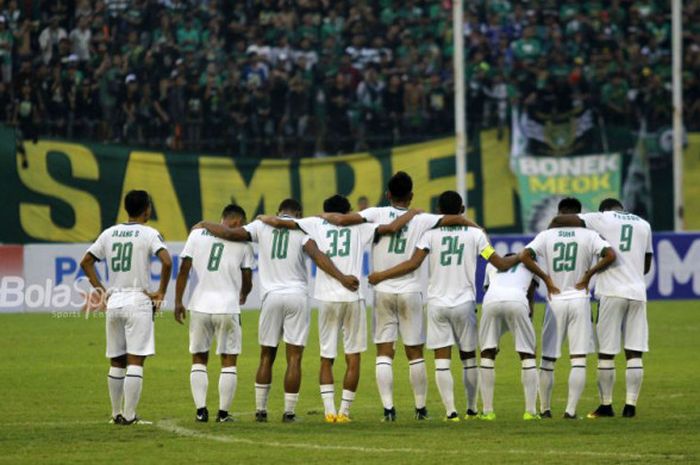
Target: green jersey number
217, 249
342, 236
565, 258
626, 238
280, 243
397, 243
121, 256
451, 248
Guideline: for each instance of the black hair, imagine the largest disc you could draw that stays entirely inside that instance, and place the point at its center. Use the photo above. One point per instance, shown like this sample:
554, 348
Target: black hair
136, 202
233, 210
400, 186
569, 205
336, 204
610, 204
450, 203
290, 205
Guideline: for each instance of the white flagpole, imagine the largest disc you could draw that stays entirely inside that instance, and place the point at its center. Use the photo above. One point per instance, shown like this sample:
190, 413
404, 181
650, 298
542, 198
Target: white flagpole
677, 43
460, 100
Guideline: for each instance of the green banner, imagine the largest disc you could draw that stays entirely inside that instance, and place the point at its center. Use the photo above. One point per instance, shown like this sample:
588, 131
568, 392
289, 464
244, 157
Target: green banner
544, 181
71, 191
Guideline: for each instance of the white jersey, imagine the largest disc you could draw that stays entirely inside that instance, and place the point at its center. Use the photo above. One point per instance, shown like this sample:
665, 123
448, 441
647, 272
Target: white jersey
128, 248
345, 247
216, 265
507, 286
393, 249
566, 254
281, 258
454, 251
630, 238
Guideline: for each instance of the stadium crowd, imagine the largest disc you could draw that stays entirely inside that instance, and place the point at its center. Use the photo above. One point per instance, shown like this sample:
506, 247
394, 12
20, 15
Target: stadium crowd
303, 77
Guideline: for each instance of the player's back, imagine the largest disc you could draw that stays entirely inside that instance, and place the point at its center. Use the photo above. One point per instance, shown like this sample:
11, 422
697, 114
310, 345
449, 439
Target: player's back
127, 248
345, 246
630, 238
567, 253
216, 264
509, 285
396, 248
454, 251
281, 258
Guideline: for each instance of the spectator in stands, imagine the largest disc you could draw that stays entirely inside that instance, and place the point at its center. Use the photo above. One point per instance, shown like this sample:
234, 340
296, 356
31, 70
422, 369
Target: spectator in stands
207, 64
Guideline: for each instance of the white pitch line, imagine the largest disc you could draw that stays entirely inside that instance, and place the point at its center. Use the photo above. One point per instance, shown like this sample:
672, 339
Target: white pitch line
172, 427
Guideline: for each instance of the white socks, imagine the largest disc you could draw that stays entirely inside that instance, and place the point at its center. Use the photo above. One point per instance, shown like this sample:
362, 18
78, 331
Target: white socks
385, 380
115, 383
328, 397
443, 379
470, 378
132, 390
290, 401
488, 380
228, 380
577, 381
199, 382
633, 378
346, 402
546, 384
528, 376
606, 380
262, 392
419, 381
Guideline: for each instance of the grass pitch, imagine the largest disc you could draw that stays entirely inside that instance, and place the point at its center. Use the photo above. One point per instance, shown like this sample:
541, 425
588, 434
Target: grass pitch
55, 406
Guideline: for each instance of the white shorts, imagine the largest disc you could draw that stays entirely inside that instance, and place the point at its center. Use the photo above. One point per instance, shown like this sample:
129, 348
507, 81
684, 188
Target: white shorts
286, 317
620, 318
567, 319
513, 316
395, 314
130, 331
351, 318
448, 326
225, 326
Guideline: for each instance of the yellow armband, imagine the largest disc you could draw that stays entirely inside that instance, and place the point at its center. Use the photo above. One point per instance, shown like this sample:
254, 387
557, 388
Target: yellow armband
487, 252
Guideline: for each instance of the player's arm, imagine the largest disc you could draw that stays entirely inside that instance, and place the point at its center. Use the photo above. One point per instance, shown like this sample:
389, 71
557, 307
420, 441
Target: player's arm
219, 230
340, 219
531, 297
401, 269
166, 269
607, 257
276, 222
398, 224
527, 257
180, 285
567, 221
648, 258
246, 284
87, 264
324, 263
501, 263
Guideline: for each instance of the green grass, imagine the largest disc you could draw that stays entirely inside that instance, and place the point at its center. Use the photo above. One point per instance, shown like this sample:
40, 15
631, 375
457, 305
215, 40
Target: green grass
55, 406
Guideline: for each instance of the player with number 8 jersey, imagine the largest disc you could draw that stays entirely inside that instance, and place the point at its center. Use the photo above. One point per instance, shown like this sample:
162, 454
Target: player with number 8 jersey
221, 283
